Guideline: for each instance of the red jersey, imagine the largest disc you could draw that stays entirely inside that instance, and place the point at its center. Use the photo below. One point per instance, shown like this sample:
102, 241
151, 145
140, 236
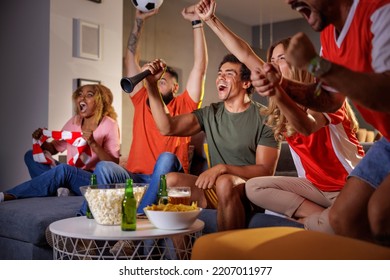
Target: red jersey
363, 46
148, 143
327, 156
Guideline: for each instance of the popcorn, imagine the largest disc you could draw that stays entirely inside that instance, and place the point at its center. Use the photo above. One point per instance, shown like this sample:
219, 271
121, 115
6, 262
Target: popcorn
106, 205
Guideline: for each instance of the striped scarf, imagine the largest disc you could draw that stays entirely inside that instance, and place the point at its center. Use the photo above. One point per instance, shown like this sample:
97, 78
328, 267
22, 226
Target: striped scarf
74, 138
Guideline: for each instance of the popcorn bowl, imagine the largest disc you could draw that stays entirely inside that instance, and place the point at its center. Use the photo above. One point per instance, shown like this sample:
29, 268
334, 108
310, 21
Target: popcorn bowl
105, 201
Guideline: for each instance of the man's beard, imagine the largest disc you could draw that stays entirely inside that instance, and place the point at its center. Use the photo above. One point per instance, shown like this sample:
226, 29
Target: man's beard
167, 98
323, 23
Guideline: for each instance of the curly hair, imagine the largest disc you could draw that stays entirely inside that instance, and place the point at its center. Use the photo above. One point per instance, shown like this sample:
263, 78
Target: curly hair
275, 119
103, 100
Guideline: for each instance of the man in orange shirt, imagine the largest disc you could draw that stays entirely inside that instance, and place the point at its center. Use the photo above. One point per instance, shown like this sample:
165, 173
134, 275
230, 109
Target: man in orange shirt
152, 154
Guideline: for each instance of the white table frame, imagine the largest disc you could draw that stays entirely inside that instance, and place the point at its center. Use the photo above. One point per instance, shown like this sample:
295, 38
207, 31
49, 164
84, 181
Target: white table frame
80, 238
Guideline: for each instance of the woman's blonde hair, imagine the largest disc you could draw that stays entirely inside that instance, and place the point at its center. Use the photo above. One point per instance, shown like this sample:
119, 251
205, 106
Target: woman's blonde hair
275, 119
103, 100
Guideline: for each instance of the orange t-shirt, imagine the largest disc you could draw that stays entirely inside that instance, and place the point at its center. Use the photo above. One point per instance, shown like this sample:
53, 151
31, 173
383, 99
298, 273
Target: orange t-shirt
148, 143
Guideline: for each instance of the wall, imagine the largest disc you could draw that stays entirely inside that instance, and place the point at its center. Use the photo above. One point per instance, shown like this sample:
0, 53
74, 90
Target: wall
280, 30
24, 81
168, 35
39, 72
65, 69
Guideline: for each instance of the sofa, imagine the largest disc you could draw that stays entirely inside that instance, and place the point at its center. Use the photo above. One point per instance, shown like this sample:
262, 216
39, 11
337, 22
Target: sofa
284, 243
23, 222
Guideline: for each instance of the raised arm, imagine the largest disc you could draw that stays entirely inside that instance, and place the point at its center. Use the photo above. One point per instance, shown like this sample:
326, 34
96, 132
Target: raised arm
132, 66
303, 121
365, 88
180, 125
236, 45
196, 79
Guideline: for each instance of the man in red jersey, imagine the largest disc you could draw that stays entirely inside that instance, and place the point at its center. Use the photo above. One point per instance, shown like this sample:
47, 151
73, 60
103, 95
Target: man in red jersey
354, 63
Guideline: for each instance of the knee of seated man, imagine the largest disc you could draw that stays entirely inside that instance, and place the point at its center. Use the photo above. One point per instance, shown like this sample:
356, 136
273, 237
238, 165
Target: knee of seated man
103, 166
335, 219
224, 186
378, 218
167, 156
224, 181
173, 178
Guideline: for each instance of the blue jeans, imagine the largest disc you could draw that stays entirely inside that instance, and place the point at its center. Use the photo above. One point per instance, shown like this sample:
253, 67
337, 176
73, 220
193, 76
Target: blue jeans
375, 165
35, 168
46, 184
108, 172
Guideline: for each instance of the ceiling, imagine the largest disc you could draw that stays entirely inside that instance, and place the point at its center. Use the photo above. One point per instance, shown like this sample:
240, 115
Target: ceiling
254, 12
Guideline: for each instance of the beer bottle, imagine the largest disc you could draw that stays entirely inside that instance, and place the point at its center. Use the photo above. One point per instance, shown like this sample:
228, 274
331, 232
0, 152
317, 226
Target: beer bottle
162, 195
129, 208
93, 184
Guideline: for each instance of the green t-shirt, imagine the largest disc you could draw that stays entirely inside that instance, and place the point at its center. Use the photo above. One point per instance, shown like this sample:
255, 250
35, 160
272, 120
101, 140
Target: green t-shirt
232, 138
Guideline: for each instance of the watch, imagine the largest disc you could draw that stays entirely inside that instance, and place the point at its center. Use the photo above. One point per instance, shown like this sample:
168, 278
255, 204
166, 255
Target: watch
319, 66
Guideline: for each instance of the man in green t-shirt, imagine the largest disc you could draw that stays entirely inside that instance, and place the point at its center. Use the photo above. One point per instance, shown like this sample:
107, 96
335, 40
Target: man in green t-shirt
240, 145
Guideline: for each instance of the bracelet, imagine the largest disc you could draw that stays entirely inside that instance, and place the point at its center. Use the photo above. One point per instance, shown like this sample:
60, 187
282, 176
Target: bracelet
197, 26
196, 22
318, 66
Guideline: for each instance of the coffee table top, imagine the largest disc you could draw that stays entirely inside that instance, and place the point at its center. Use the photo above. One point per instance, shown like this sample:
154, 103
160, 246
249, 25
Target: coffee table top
81, 227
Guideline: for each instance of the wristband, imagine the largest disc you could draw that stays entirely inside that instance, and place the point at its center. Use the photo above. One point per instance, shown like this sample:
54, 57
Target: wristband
318, 66
196, 22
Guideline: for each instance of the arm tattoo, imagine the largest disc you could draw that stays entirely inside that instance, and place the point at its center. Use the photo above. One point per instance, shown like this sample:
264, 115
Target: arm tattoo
133, 38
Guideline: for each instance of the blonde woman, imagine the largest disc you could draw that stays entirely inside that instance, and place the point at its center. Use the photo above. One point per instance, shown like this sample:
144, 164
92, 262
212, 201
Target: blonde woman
95, 118
324, 147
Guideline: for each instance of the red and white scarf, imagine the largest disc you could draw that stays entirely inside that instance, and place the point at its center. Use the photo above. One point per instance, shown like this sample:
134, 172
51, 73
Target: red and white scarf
74, 138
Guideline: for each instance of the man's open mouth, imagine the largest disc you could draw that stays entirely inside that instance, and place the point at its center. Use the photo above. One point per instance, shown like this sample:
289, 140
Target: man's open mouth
221, 87
302, 8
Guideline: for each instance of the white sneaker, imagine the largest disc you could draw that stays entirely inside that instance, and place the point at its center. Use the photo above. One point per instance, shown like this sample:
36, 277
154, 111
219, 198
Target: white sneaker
62, 192
1, 196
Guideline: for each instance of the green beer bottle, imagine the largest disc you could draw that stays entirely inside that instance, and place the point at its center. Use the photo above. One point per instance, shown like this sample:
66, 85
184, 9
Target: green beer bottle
162, 195
93, 184
129, 208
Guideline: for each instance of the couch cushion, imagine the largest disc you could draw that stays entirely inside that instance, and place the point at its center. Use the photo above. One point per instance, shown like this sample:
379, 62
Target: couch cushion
209, 217
27, 219
284, 243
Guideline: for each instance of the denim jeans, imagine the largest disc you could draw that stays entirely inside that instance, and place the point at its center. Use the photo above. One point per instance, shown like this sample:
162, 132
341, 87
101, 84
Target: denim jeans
46, 184
109, 173
375, 165
35, 168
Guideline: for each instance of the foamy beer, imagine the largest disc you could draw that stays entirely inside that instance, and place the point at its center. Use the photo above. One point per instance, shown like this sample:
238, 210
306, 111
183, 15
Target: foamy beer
179, 195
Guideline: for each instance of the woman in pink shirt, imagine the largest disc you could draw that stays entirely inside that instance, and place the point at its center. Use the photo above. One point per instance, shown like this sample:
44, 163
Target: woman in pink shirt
95, 118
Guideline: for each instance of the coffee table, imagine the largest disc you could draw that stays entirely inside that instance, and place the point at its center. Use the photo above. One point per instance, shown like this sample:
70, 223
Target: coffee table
82, 238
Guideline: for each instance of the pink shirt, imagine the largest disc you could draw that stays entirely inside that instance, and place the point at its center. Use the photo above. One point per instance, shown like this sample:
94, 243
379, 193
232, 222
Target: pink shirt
106, 135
